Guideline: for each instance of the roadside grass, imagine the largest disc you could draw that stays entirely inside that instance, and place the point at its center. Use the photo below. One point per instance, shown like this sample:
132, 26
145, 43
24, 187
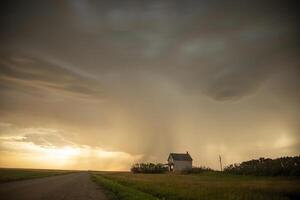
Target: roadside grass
207, 186
7, 175
116, 191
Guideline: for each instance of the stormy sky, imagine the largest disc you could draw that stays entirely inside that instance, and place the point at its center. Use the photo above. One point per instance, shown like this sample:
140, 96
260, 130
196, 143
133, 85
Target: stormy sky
103, 84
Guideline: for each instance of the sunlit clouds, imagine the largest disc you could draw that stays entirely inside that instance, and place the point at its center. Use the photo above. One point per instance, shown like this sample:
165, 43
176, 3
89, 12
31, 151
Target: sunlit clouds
48, 149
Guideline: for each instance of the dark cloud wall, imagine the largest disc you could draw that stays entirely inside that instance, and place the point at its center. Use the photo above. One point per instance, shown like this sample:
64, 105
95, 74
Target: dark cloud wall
176, 75
24, 70
220, 43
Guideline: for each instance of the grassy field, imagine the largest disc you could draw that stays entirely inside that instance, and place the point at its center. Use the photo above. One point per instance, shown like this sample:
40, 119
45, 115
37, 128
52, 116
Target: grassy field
210, 185
7, 175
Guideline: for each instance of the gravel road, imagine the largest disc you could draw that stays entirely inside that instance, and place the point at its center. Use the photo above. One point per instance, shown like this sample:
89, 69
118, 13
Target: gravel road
75, 186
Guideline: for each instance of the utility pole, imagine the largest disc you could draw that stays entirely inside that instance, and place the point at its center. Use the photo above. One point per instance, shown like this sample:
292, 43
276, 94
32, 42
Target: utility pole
220, 162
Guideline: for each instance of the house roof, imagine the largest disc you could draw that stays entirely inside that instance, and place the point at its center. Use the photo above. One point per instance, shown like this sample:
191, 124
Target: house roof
181, 156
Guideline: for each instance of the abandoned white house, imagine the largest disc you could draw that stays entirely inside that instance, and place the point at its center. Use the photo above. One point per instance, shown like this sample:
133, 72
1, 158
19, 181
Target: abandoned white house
180, 161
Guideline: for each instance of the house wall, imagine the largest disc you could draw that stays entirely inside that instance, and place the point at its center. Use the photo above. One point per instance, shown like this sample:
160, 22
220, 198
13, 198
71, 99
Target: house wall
182, 165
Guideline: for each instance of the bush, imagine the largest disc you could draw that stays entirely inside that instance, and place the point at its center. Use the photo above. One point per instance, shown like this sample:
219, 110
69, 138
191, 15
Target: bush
197, 170
285, 166
149, 168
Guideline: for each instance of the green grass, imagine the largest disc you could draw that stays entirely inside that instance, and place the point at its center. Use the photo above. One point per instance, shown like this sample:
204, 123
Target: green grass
7, 175
204, 186
117, 191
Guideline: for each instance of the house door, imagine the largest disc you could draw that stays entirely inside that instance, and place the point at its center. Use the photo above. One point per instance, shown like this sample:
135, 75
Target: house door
171, 167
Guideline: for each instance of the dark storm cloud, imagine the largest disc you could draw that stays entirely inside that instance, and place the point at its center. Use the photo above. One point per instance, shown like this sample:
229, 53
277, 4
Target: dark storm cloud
225, 50
238, 49
19, 71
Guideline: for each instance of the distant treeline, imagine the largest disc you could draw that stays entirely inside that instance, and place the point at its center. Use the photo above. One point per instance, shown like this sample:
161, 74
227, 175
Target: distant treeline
149, 168
285, 166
